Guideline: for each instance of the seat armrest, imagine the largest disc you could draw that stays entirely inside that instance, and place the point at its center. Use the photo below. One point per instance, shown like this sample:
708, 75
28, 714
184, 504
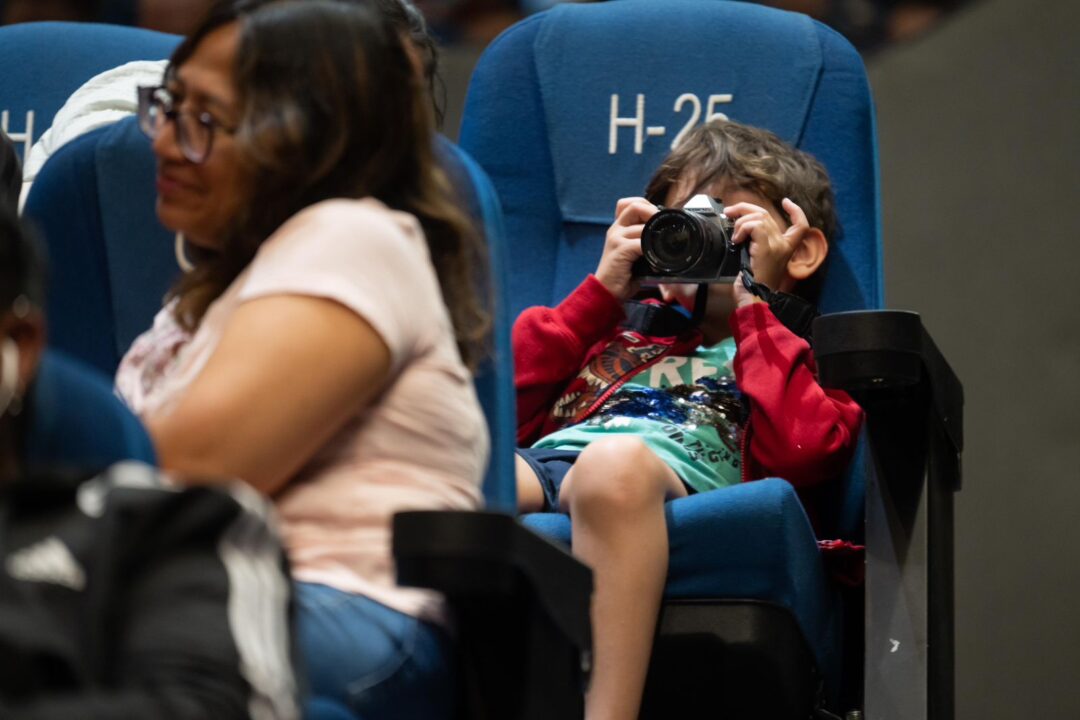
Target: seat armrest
886, 358
913, 402
521, 604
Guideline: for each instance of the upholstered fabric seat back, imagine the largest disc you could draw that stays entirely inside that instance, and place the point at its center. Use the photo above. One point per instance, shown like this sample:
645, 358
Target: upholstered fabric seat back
574, 108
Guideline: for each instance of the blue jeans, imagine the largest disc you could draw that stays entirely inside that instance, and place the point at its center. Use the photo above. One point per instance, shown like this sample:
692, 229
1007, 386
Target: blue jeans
378, 663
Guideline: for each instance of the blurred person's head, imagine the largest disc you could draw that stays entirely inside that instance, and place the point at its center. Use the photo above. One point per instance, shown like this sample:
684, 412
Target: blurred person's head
22, 327
270, 107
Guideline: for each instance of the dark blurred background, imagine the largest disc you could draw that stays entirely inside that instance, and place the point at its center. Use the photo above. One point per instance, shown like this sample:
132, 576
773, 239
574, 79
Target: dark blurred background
978, 114
868, 23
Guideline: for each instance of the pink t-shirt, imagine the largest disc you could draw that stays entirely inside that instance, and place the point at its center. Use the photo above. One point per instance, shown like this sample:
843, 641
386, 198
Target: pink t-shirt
422, 444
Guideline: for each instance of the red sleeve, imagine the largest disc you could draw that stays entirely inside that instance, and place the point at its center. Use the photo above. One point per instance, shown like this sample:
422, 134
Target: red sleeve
798, 430
550, 346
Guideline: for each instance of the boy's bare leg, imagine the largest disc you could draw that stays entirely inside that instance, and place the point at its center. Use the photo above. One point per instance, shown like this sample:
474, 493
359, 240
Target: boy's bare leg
530, 496
615, 495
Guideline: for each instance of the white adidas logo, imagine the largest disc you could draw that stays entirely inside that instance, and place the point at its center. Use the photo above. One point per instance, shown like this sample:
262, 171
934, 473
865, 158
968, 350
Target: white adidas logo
47, 561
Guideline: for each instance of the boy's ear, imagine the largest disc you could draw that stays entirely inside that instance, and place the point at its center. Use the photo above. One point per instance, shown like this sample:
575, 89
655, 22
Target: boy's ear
808, 256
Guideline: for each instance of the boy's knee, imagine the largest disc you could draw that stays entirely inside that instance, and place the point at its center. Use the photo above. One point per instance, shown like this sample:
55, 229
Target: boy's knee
618, 473
617, 455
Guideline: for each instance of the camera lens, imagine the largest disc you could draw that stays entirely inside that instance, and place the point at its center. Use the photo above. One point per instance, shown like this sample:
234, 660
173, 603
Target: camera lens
672, 242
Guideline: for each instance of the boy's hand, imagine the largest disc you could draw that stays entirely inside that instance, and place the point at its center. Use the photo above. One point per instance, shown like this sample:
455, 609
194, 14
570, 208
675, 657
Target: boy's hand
622, 247
743, 297
770, 247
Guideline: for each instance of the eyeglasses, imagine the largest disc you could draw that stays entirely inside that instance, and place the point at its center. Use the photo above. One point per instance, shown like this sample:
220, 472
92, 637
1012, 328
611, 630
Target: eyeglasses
194, 130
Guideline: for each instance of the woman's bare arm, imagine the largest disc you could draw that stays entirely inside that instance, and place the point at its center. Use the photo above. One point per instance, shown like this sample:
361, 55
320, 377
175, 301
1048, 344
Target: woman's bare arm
289, 371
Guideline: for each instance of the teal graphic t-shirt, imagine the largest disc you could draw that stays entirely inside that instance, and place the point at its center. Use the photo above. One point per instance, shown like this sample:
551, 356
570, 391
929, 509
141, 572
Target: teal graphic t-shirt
686, 409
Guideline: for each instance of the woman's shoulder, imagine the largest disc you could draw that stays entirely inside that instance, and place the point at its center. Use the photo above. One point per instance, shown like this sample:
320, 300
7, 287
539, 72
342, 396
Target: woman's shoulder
366, 218
356, 238
361, 254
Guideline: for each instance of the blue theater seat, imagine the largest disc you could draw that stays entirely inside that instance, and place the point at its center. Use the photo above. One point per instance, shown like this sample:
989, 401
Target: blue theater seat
95, 288
575, 107
111, 261
74, 421
495, 378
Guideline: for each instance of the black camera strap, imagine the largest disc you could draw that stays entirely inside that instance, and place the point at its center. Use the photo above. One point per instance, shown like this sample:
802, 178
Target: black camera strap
795, 313
700, 301
656, 319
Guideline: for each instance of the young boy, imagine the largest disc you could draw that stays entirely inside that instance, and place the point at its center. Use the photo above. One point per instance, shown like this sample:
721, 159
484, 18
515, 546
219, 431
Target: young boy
623, 418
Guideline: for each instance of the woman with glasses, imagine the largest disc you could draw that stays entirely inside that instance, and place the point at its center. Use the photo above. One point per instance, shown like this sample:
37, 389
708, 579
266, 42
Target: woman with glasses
320, 348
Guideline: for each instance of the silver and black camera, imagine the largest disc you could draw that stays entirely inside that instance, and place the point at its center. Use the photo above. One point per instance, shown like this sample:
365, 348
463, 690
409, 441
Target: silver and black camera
689, 245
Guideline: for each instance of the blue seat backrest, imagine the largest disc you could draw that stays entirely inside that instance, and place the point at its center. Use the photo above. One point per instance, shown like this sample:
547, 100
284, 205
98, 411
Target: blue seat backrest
44, 63
495, 378
111, 261
75, 422
575, 107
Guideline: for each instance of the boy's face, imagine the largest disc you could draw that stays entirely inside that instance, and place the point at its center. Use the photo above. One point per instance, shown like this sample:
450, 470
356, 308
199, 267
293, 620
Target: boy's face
721, 303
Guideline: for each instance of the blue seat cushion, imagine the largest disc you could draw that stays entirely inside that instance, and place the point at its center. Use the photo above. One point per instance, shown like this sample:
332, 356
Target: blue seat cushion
752, 541
573, 108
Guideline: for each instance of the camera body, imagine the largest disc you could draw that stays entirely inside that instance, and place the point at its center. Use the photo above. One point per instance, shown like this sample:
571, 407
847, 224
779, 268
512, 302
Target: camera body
689, 245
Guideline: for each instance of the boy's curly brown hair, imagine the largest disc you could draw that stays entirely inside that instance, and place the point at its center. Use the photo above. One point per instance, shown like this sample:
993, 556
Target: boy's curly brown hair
753, 159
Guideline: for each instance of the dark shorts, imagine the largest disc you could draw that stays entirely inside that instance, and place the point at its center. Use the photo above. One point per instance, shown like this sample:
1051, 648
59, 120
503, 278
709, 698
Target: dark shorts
550, 467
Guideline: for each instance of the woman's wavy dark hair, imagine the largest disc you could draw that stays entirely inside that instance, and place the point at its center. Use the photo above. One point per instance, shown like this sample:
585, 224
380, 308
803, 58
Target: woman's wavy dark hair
407, 19
330, 106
